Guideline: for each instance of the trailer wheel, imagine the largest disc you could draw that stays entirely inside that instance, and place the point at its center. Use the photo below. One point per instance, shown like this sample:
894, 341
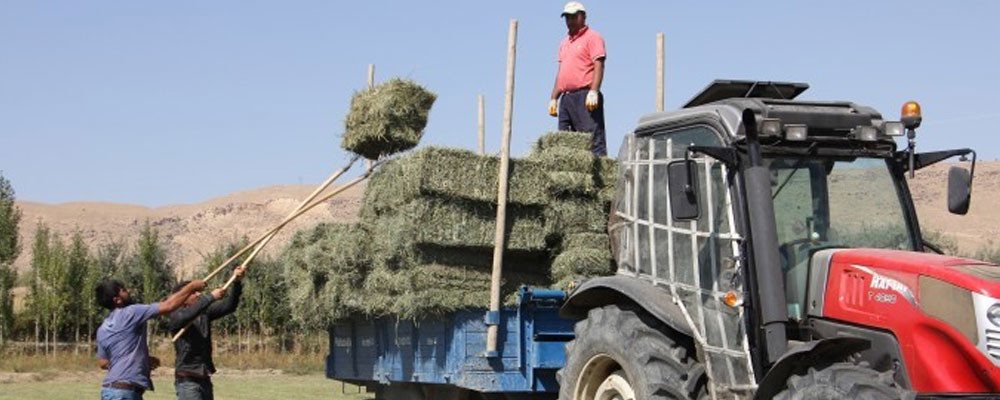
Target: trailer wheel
400, 391
620, 354
843, 380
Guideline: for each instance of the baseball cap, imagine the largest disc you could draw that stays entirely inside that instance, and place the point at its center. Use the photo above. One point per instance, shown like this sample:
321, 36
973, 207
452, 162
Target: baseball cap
572, 7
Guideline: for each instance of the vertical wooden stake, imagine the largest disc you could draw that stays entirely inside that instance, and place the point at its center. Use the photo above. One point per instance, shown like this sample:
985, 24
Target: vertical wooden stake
482, 126
659, 71
493, 316
371, 84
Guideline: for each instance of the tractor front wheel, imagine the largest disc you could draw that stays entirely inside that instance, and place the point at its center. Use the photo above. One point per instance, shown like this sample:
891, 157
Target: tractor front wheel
843, 380
621, 354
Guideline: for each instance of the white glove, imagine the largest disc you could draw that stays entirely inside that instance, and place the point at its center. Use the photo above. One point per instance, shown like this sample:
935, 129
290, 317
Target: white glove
553, 107
592, 100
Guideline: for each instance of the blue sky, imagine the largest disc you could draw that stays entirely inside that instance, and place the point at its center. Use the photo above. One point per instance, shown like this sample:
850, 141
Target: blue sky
159, 103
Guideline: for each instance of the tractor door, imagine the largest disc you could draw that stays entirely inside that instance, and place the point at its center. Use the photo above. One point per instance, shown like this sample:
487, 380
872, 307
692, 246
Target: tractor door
697, 257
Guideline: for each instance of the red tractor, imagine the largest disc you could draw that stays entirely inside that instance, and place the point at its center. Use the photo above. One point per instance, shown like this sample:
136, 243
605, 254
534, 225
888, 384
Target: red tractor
769, 248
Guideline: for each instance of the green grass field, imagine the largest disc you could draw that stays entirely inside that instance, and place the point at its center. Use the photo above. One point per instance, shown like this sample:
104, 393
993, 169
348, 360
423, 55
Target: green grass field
241, 387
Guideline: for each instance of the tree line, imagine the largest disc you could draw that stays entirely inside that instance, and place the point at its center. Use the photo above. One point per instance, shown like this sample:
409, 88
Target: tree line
60, 307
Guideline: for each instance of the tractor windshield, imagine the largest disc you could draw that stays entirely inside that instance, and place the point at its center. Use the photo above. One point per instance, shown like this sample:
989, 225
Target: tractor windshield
826, 202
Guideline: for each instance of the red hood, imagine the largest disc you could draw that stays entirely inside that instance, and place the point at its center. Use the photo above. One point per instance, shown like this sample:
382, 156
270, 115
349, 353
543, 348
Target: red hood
977, 276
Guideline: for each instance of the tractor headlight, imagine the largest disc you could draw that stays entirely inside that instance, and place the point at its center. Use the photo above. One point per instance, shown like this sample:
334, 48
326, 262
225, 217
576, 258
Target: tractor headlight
993, 314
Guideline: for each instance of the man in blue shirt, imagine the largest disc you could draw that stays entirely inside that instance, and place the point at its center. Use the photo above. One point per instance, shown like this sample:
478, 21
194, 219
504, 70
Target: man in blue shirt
121, 338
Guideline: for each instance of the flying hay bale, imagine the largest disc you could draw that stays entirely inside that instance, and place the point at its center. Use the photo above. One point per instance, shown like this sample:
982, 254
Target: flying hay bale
387, 118
452, 174
324, 267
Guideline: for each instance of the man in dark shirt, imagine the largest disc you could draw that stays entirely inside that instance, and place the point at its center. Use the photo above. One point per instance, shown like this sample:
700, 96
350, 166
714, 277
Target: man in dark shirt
194, 366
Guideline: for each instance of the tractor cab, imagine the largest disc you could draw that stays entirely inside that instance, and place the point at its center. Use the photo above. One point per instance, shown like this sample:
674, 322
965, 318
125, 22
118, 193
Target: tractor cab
776, 241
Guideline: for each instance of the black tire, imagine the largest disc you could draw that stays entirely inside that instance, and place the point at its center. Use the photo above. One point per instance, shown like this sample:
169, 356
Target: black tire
633, 347
843, 380
400, 391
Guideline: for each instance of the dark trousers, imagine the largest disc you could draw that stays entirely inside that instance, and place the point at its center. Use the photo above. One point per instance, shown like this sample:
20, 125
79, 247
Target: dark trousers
194, 389
573, 116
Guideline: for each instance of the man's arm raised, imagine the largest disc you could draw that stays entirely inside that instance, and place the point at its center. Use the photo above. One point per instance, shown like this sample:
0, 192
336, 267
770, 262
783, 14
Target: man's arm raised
176, 300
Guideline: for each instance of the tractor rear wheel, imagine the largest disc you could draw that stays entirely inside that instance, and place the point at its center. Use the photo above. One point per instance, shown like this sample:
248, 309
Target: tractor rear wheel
843, 380
621, 354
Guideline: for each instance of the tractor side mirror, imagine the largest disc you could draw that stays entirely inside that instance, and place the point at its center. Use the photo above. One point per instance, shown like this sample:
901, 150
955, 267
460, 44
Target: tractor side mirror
959, 190
683, 189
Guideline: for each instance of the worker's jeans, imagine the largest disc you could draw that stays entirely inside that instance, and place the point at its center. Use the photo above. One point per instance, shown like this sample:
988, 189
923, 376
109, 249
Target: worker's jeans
573, 116
194, 389
119, 394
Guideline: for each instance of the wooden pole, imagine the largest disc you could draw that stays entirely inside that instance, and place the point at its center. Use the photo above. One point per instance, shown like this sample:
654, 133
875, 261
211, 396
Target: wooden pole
493, 318
659, 71
482, 126
371, 84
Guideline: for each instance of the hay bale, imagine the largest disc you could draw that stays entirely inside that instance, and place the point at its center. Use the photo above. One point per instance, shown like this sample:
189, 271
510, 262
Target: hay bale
566, 159
455, 224
587, 240
568, 216
579, 263
431, 289
324, 266
452, 174
387, 118
572, 183
563, 139
416, 253
606, 172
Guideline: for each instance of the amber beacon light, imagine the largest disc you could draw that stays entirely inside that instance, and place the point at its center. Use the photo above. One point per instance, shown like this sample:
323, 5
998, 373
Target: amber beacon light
910, 115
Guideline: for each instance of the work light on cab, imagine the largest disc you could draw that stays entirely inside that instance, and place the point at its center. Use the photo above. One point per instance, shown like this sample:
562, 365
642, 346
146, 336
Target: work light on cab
770, 127
892, 128
796, 132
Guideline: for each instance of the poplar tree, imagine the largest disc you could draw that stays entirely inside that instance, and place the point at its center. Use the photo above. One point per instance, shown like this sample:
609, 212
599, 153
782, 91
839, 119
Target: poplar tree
10, 248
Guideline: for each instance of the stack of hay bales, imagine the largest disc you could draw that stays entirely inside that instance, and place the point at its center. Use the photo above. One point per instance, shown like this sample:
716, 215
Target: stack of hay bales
582, 186
424, 243
432, 215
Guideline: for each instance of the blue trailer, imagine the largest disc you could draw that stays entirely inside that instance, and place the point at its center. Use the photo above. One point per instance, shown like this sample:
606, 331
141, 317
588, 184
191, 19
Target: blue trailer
444, 357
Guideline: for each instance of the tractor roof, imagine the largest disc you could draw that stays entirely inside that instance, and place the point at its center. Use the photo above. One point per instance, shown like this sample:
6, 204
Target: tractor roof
725, 100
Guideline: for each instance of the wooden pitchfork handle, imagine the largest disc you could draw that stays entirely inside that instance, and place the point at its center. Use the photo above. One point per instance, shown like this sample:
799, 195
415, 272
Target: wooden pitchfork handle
303, 207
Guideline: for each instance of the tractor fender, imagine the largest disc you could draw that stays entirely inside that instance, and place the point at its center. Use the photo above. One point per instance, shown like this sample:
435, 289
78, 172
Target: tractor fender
621, 289
801, 355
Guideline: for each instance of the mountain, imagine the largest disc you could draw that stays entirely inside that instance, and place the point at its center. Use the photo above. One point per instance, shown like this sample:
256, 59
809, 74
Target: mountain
190, 231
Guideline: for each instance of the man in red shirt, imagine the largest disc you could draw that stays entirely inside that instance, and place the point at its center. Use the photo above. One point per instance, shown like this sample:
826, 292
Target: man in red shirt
578, 82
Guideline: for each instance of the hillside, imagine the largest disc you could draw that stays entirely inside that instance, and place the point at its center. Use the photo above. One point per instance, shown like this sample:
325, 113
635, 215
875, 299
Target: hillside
192, 230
